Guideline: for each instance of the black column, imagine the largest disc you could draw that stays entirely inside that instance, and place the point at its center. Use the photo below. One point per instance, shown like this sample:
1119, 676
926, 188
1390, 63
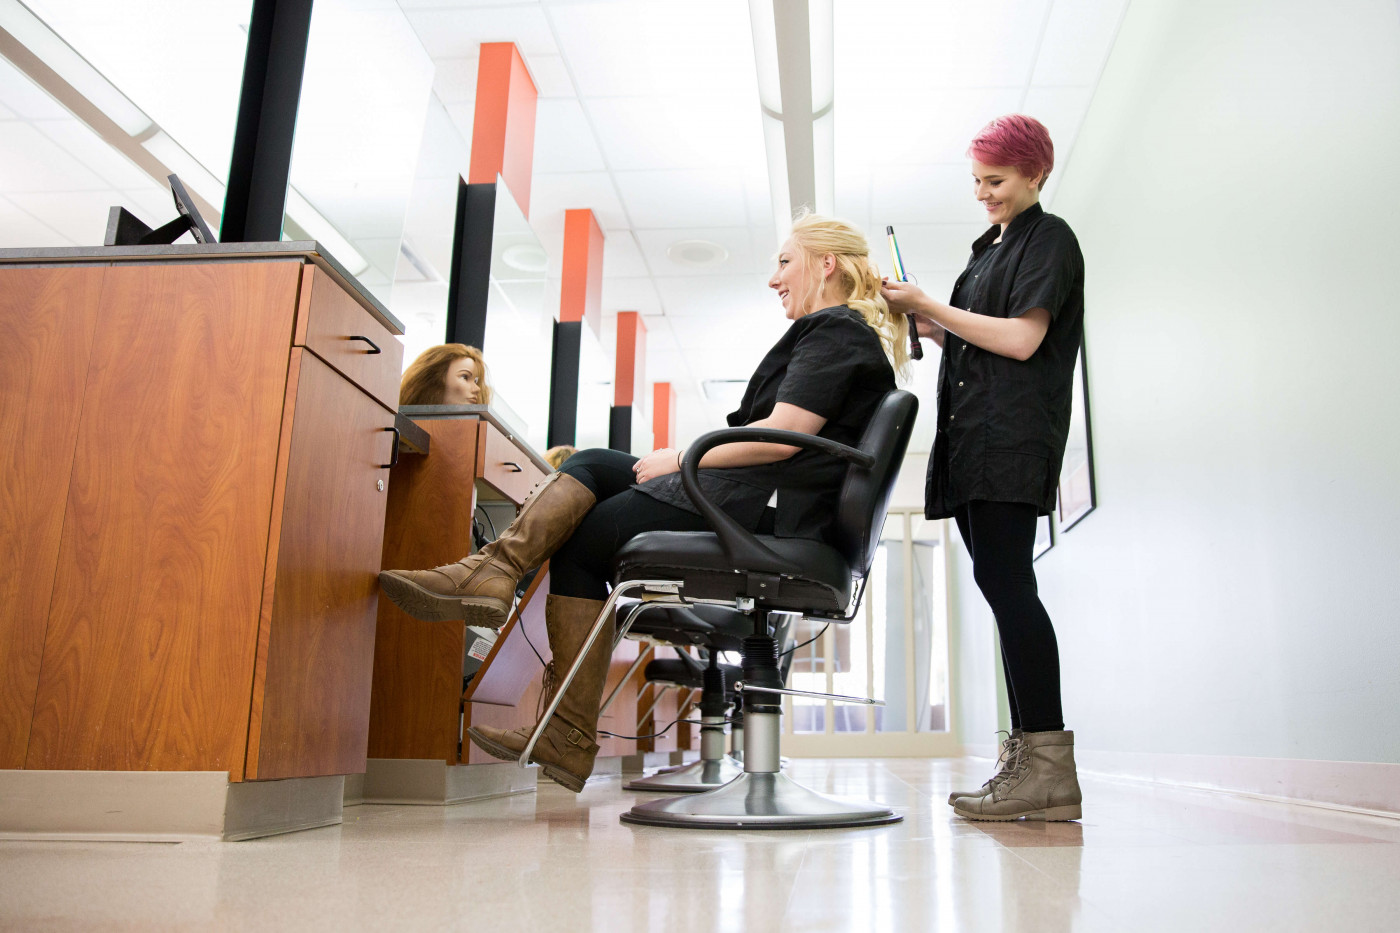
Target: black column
469, 285
620, 428
563, 384
267, 119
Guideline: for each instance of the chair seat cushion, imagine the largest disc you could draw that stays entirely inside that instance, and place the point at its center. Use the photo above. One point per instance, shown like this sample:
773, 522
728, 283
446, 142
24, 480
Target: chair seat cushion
823, 584
676, 671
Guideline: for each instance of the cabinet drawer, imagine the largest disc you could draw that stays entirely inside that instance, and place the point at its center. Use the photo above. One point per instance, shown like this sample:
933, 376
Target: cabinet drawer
504, 466
337, 328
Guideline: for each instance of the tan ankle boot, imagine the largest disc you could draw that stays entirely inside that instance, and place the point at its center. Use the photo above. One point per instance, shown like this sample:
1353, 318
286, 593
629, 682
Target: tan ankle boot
481, 588
1040, 783
1013, 738
566, 750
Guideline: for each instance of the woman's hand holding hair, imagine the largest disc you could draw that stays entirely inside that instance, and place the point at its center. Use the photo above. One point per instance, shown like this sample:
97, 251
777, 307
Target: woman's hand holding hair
657, 463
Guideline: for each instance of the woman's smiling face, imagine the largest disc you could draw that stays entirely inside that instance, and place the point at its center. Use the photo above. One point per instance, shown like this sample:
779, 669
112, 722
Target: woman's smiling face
1003, 191
791, 282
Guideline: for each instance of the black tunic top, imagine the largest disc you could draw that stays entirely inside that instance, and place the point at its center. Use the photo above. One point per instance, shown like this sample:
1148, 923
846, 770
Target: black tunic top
1002, 423
830, 363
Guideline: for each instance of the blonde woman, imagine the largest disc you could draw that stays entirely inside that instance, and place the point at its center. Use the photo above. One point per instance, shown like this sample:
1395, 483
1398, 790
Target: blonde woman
449, 374
826, 376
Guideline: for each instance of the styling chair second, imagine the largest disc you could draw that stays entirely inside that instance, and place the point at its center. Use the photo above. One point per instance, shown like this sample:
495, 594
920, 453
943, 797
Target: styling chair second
756, 575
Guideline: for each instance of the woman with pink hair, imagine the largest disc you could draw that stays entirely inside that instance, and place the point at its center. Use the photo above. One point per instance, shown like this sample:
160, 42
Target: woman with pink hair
1010, 334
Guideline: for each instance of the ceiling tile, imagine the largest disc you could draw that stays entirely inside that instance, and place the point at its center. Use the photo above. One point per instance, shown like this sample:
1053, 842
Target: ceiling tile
660, 337
684, 198
30, 162
6, 113
737, 242
621, 257
746, 297
956, 114
624, 48
990, 43
551, 195
678, 132
1076, 42
550, 75
20, 229
563, 138
903, 194
637, 293
454, 79
458, 33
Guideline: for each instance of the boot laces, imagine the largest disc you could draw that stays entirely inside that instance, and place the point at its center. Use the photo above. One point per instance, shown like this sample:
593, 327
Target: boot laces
548, 683
1016, 762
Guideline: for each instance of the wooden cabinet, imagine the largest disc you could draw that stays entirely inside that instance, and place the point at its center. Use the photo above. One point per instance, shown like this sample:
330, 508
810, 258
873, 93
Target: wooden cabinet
200, 514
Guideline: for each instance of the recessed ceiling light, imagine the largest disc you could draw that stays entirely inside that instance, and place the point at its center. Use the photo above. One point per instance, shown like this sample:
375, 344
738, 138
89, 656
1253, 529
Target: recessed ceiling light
696, 253
525, 257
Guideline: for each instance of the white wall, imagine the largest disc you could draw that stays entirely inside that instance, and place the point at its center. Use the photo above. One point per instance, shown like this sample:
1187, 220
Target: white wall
1236, 191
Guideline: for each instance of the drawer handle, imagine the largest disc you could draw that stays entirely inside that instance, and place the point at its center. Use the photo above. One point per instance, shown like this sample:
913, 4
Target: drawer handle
373, 345
515, 467
393, 457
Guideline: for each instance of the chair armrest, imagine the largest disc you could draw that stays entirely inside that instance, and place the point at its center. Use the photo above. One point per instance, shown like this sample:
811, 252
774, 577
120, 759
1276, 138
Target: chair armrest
739, 544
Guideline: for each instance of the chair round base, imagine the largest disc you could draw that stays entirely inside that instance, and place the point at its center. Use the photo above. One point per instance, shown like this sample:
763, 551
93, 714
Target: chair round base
760, 800
694, 778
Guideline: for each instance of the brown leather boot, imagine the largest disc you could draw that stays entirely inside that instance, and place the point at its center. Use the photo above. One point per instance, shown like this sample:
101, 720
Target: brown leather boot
566, 750
480, 588
1008, 746
1040, 783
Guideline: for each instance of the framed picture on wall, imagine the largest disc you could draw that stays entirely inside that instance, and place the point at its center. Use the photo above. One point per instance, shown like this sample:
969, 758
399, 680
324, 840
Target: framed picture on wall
1044, 537
1076, 496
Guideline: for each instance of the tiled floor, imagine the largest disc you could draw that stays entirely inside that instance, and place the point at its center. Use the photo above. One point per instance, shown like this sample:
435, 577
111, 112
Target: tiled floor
1144, 858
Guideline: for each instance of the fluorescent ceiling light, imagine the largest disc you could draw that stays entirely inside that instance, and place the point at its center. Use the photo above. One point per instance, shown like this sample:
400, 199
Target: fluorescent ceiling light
34, 35
324, 232
765, 53
822, 43
776, 150
195, 176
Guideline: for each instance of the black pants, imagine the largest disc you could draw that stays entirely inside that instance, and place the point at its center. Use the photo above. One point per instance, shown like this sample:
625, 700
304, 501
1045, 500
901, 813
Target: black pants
582, 567
1000, 536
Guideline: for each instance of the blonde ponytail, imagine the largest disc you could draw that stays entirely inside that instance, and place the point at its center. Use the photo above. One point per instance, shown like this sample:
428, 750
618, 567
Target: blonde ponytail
856, 280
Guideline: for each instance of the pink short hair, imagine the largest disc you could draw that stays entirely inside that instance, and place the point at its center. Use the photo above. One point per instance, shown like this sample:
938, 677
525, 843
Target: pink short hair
1018, 140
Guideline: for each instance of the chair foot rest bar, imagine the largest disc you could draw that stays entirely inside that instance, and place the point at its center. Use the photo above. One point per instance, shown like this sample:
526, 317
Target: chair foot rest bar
694, 778
760, 800
741, 686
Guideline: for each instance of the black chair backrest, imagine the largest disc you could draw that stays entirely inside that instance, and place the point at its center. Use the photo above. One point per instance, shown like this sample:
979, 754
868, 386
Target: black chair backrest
865, 495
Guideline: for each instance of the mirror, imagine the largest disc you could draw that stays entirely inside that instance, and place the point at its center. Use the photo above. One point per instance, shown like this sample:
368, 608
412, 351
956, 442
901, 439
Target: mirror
519, 324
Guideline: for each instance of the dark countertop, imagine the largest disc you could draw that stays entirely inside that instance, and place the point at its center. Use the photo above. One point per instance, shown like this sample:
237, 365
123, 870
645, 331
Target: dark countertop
482, 412
305, 250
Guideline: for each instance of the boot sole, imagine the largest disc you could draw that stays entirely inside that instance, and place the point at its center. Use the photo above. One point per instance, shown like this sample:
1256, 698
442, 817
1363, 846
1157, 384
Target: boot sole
424, 604
505, 753
1049, 815
494, 749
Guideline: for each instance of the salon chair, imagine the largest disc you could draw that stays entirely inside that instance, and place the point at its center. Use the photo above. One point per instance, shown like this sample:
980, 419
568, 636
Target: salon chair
757, 575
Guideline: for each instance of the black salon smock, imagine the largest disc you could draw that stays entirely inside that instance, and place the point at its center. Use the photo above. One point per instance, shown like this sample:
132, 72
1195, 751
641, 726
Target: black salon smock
1002, 423
830, 363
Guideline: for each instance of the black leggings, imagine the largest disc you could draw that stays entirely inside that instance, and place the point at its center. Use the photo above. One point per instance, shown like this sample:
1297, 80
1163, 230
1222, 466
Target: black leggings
582, 567
1000, 536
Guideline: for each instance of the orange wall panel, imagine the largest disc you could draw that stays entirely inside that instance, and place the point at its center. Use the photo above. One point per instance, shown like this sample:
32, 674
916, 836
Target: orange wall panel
581, 287
629, 385
663, 414
503, 129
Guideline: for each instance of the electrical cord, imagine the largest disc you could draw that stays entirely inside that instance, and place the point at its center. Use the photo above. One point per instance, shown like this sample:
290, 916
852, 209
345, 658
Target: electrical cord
657, 735
805, 643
